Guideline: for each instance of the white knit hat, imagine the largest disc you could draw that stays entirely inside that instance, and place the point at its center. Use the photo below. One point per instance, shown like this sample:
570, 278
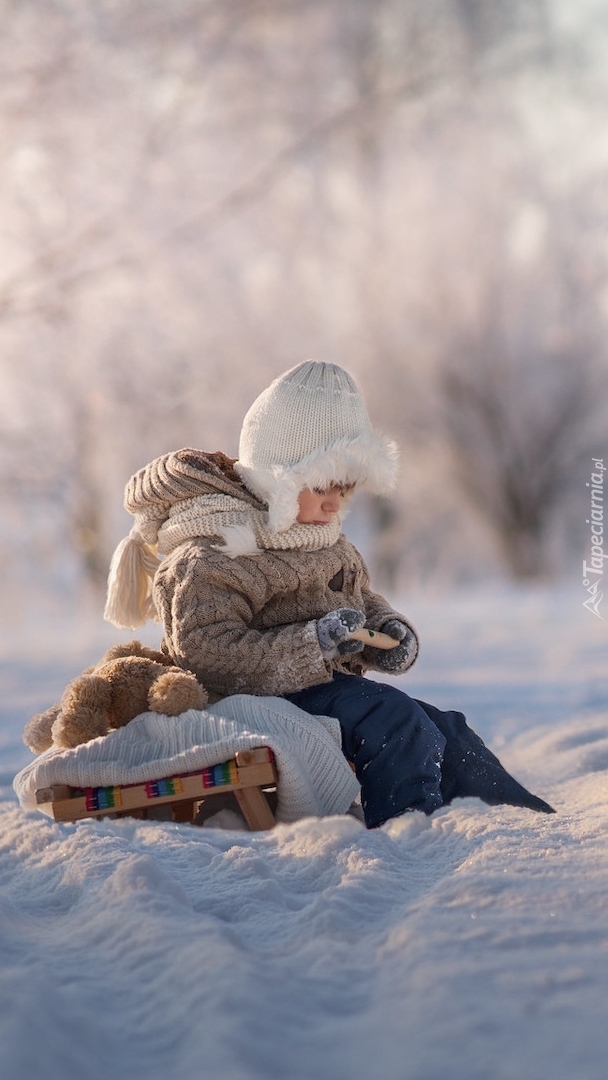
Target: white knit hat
310, 429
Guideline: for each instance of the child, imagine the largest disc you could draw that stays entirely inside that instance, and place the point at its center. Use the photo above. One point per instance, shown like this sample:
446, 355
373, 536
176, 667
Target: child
259, 591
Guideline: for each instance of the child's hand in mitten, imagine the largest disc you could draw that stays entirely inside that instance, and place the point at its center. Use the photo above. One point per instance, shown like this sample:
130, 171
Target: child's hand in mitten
334, 630
403, 655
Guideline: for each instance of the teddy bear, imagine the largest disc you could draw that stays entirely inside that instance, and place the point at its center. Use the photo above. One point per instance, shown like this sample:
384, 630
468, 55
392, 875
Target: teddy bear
128, 680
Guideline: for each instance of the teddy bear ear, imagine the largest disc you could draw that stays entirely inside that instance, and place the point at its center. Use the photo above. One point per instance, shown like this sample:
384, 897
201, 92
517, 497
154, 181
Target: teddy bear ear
37, 733
154, 654
127, 648
134, 648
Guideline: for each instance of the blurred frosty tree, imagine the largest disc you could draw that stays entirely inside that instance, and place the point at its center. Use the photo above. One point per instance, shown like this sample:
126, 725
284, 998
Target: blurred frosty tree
196, 195
519, 416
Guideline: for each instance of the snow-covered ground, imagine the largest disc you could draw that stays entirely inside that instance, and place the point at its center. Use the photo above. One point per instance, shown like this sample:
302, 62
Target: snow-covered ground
472, 945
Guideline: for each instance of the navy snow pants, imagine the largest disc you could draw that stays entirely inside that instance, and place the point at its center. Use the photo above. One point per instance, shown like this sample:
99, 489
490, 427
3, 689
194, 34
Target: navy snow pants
409, 755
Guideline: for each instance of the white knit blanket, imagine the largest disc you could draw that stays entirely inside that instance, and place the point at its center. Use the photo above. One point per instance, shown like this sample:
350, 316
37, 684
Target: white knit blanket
314, 778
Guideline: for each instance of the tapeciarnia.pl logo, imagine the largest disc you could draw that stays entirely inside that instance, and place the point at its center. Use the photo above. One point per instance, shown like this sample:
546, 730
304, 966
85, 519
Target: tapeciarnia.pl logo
593, 571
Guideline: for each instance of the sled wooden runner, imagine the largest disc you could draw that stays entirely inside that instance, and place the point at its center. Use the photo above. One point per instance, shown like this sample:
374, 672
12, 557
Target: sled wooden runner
250, 775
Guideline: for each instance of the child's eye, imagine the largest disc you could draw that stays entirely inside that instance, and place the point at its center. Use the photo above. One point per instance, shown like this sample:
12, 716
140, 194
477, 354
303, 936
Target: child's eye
342, 489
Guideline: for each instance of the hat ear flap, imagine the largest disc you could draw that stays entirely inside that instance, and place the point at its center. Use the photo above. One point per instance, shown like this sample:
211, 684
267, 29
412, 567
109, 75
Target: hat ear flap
283, 505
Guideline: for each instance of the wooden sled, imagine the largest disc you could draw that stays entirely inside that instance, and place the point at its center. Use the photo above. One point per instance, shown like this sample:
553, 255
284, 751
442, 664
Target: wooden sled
251, 776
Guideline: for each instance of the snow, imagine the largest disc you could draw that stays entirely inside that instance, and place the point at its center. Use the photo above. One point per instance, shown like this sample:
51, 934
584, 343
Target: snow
473, 944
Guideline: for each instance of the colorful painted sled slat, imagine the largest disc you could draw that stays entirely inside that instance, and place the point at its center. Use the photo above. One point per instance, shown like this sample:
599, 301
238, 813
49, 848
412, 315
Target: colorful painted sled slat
246, 775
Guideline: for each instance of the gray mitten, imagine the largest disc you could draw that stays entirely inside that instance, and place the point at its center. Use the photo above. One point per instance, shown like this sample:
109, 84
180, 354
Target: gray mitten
403, 655
334, 630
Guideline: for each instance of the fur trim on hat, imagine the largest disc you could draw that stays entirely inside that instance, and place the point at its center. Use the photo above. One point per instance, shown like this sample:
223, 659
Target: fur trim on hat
369, 461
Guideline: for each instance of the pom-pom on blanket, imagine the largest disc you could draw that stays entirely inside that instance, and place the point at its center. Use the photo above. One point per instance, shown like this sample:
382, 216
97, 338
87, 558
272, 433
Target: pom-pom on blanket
314, 778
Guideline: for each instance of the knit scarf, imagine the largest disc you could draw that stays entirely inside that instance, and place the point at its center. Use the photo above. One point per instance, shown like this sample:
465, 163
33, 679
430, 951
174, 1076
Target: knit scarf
243, 529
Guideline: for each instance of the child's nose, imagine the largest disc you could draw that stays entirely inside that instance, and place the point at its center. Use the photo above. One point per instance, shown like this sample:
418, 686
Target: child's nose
331, 502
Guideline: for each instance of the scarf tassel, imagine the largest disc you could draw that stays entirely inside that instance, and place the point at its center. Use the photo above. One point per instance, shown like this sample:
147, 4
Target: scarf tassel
129, 602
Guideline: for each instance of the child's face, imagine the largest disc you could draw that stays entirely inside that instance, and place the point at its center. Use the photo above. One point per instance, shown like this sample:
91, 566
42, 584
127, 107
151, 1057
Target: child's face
321, 507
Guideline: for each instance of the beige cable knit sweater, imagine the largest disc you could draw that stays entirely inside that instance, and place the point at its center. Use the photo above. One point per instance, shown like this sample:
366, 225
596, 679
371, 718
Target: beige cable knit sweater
247, 624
